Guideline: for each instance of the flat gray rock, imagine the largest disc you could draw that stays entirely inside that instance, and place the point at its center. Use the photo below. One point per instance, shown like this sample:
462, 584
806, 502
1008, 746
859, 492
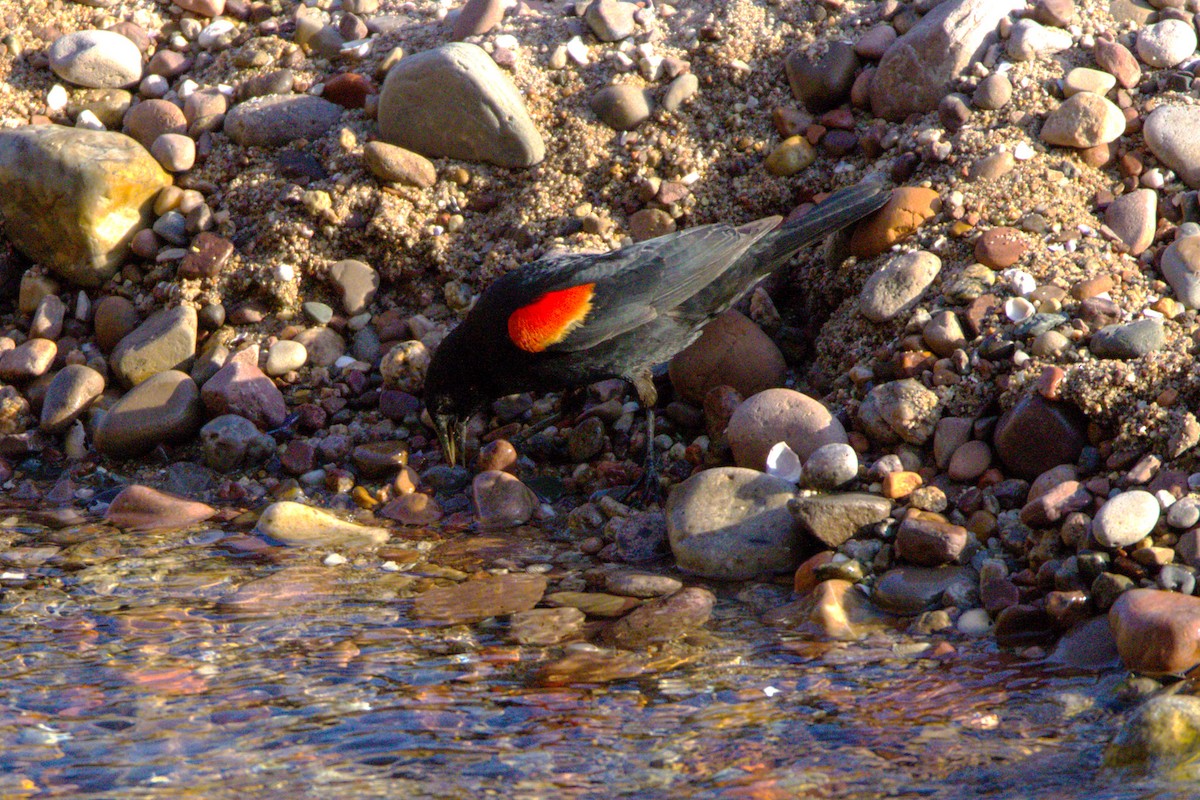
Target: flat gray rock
1181, 267
453, 101
275, 120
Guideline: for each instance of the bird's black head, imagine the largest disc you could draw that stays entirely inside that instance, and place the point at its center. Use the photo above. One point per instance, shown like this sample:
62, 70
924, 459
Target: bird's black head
453, 393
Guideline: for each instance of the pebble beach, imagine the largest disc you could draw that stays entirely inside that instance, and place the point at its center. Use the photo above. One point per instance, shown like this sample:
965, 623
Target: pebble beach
235, 232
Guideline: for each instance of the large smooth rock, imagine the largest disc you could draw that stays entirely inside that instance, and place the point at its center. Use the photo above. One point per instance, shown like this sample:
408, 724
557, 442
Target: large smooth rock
1036, 435
732, 524
141, 508
242, 388
72, 199
920, 67
732, 351
1162, 733
162, 409
1157, 632
780, 415
1170, 133
454, 101
96, 59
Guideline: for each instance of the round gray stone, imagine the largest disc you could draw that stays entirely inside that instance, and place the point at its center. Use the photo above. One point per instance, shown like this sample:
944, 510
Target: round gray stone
455, 101
732, 524
1125, 519
96, 59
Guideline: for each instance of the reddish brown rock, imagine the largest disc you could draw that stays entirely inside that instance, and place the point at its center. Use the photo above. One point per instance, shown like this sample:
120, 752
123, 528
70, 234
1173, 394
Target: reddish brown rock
1157, 632
1000, 247
475, 600
663, 619
908, 209
1036, 435
243, 389
141, 508
732, 351
930, 543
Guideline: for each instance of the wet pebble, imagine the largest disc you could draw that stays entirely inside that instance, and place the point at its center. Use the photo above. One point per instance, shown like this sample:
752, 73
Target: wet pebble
1157, 632
28, 360
911, 590
480, 599
142, 508
930, 543
501, 500
300, 525
662, 620
545, 626
640, 584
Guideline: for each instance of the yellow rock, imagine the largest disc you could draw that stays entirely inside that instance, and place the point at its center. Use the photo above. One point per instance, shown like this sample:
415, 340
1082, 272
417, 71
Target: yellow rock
792, 155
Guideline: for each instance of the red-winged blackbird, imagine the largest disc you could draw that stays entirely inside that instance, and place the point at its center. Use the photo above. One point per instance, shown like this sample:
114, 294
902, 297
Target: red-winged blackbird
573, 319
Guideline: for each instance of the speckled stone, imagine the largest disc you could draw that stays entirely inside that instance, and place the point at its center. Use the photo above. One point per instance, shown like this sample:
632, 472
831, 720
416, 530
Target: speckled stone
165, 341
901, 410
97, 59
898, 285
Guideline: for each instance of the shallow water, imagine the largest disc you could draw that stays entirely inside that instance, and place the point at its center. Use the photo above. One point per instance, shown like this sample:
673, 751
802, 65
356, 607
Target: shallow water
126, 671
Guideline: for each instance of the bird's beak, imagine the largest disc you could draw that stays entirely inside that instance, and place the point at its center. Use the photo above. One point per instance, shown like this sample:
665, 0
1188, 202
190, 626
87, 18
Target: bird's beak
452, 436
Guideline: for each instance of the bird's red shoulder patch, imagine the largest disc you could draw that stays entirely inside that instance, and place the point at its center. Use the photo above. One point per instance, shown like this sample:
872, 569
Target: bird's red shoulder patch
547, 320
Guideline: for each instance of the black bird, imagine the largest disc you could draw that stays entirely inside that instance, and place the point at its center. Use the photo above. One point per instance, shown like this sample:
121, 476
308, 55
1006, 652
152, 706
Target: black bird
573, 319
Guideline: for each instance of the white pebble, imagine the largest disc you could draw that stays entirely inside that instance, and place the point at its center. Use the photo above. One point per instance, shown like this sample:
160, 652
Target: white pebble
1165, 498
153, 86
974, 622
577, 50
215, 31
89, 120
1023, 151
333, 560
285, 272
56, 98
1022, 282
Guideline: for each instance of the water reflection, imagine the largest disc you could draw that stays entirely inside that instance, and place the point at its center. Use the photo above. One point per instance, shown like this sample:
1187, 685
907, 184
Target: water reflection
199, 664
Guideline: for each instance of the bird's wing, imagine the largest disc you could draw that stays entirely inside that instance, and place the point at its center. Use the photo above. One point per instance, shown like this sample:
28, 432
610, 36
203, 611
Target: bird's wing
576, 301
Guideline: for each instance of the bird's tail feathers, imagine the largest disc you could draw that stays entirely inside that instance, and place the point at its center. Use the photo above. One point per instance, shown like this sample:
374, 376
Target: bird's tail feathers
835, 212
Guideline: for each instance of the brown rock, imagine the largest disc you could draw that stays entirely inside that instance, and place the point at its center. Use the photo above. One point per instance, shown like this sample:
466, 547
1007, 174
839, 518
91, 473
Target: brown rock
476, 600
1036, 435
908, 209
163, 408
1000, 247
1157, 632
780, 415
732, 351
663, 619
141, 508
930, 543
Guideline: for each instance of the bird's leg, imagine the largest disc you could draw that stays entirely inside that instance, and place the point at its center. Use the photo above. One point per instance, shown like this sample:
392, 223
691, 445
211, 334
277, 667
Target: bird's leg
647, 489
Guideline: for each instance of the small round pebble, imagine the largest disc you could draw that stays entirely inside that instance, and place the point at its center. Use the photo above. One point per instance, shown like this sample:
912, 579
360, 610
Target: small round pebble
830, 466
1126, 519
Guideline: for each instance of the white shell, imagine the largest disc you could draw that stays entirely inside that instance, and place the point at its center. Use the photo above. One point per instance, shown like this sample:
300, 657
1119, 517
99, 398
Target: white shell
782, 462
1018, 308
